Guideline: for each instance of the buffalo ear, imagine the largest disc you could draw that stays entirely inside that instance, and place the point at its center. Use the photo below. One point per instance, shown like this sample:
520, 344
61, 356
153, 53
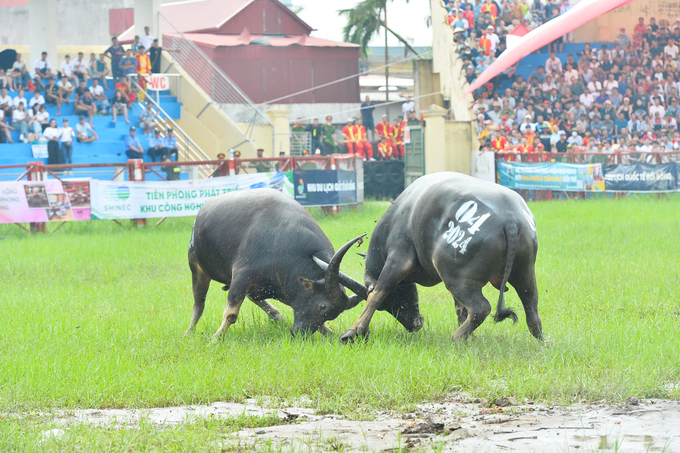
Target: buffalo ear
306, 283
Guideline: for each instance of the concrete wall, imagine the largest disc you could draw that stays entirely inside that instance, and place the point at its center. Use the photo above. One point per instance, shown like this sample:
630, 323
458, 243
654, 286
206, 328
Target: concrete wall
79, 22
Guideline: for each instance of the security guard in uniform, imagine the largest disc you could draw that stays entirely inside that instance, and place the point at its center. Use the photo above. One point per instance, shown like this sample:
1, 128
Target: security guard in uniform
329, 137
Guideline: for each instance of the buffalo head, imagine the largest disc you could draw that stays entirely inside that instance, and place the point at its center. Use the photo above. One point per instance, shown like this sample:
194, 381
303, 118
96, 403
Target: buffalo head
324, 300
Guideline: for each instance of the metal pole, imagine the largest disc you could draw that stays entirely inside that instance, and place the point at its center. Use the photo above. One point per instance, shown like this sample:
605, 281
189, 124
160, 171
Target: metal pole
387, 68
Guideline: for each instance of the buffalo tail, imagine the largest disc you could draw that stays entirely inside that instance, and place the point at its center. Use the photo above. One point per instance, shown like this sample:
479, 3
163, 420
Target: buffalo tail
511, 236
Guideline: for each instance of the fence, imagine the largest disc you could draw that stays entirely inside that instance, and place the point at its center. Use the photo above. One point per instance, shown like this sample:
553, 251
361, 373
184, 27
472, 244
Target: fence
70, 192
541, 175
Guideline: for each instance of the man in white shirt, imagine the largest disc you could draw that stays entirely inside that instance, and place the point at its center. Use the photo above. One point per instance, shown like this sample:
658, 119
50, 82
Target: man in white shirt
80, 67
43, 70
570, 74
493, 38
19, 99
6, 102
65, 88
586, 98
66, 67
553, 65
407, 106
146, 39
657, 108
99, 97
671, 50
36, 101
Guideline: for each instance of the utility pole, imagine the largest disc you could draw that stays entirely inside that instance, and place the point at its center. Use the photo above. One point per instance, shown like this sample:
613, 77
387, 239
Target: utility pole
387, 68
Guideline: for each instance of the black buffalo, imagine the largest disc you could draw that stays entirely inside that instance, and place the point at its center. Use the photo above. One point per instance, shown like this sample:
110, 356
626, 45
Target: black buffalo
262, 244
457, 229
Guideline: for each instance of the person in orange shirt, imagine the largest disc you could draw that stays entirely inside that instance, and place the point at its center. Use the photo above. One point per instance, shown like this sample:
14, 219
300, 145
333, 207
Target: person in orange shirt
384, 129
362, 145
491, 7
348, 135
385, 150
485, 43
398, 137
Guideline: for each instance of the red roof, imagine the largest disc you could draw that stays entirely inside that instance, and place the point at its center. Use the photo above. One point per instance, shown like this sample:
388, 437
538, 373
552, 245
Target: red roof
202, 16
245, 38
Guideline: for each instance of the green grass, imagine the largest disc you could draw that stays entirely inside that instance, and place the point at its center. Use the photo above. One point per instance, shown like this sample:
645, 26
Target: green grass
93, 316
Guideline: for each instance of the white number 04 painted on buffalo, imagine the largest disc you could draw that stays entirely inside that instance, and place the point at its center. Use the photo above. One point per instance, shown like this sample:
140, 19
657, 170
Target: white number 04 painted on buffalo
455, 235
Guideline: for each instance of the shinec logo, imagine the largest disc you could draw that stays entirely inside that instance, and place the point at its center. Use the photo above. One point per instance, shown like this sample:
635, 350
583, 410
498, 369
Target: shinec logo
301, 187
120, 193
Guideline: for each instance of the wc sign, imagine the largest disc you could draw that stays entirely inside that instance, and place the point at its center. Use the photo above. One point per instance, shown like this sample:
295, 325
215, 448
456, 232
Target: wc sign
158, 82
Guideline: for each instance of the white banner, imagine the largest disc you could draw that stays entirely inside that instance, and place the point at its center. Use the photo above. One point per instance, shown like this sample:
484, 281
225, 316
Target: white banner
483, 165
149, 199
157, 82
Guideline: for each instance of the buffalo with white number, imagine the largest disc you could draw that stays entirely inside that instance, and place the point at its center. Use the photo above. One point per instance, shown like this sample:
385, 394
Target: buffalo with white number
460, 230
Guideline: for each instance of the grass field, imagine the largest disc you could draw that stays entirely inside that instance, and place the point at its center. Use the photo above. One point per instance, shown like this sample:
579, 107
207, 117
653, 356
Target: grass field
94, 315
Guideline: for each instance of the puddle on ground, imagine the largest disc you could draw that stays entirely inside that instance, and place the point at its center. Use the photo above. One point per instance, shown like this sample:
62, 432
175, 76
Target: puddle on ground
614, 442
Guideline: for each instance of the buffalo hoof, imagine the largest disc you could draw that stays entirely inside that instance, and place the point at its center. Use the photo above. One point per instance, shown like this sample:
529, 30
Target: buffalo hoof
351, 335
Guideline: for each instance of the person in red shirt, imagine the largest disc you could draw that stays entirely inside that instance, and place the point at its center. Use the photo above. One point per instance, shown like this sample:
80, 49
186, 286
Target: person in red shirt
640, 26
384, 129
499, 142
362, 145
385, 150
398, 137
348, 135
491, 7
469, 15
485, 43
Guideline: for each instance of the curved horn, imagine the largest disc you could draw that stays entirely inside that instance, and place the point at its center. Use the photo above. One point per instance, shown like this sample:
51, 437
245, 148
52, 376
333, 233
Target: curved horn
333, 290
346, 281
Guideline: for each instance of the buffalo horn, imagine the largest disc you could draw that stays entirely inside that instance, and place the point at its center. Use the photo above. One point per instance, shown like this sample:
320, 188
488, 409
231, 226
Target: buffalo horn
333, 290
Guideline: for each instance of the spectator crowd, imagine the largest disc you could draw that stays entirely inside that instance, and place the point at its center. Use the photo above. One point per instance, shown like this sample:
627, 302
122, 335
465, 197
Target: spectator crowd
82, 83
608, 97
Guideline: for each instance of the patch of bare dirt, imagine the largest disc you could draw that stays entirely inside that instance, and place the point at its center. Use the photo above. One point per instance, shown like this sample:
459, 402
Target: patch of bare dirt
460, 425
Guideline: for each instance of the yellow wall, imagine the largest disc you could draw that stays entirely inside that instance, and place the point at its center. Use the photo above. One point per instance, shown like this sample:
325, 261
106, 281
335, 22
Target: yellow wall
605, 28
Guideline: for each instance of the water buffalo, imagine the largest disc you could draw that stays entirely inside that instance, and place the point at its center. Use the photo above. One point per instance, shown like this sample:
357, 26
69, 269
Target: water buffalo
452, 228
262, 244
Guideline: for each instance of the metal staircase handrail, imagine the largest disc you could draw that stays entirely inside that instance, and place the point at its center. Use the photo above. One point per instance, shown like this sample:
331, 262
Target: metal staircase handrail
189, 150
209, 76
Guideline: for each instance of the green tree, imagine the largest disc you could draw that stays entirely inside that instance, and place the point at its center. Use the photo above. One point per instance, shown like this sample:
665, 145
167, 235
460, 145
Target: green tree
363, 22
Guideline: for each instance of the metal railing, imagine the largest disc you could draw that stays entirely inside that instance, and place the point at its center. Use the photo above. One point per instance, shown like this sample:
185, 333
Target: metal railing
188, 149
219, 87
582, 157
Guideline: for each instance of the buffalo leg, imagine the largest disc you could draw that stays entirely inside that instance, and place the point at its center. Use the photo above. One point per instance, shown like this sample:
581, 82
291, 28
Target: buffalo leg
478, 308
200, 283
461, 312
390, 277
268, 308
528, 294
237, 292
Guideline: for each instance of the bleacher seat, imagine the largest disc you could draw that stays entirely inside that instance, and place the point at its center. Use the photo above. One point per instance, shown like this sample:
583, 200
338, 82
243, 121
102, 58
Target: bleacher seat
110, 148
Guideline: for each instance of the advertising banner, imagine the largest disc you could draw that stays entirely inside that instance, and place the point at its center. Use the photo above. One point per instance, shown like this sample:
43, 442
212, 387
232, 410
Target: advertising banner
324, 187
641, 177
44, 201
149, 199
551, 176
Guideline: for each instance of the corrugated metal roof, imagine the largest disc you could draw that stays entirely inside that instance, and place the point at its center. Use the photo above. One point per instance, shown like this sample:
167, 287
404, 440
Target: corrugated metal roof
202, 15
245, 38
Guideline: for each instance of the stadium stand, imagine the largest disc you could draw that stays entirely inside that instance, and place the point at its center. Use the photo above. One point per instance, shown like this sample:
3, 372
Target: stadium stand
108, 148
582, 97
